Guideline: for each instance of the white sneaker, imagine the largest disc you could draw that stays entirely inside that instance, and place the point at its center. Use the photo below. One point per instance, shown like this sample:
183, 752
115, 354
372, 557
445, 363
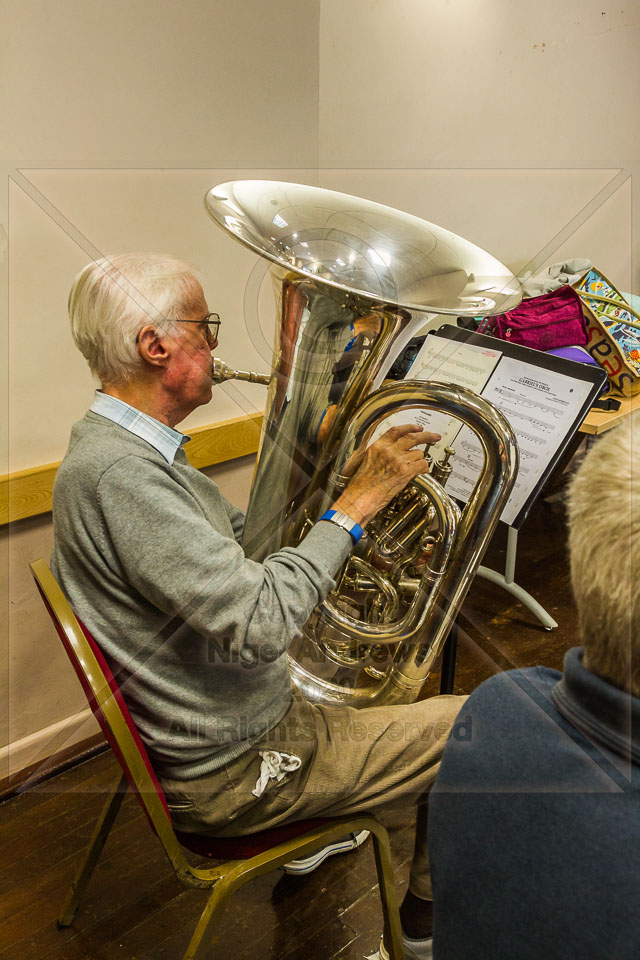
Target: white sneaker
413, 949
308, 864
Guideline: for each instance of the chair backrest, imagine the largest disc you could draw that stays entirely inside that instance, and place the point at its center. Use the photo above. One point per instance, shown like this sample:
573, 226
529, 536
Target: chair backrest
109, 708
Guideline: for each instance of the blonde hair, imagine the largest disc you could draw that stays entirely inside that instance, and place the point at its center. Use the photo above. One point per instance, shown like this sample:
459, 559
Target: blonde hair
604, 541
113, 298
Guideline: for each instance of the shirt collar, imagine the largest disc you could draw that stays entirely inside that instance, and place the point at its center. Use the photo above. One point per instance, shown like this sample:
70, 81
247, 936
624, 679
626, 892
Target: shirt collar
162, 438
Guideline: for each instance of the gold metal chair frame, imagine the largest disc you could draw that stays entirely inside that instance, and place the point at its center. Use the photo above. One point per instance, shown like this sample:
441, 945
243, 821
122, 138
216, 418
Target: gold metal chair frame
224, 878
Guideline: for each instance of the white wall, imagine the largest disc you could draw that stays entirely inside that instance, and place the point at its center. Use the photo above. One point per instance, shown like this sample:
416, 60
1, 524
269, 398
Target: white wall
502, 121
59, 220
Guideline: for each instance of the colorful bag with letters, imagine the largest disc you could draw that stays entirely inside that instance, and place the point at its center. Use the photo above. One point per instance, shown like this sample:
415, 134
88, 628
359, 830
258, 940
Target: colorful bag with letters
552, 320
613, 328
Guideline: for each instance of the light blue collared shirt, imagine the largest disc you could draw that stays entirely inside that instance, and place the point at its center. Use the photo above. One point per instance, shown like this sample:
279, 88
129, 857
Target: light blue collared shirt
162, 438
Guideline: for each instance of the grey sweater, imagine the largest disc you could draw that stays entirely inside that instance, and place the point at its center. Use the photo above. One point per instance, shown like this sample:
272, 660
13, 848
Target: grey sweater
195, 633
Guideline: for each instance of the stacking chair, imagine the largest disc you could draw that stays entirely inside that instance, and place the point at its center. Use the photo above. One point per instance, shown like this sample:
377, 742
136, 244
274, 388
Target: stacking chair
245, 857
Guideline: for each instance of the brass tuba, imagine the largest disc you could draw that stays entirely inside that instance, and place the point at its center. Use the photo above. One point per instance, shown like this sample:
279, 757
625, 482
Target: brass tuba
354, 281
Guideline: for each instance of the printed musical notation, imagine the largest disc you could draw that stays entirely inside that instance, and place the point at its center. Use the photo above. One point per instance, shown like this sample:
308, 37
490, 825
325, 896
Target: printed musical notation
524, 402
539, 404
447, 362
450, 361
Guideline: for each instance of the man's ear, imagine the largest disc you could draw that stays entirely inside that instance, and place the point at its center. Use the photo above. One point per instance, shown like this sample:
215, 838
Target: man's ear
152, 346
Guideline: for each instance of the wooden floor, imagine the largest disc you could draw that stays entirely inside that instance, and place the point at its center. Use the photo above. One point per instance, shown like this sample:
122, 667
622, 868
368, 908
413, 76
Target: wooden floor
134, 908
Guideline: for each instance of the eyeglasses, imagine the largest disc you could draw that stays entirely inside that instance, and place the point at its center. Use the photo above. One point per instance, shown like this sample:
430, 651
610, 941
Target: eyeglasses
212, 320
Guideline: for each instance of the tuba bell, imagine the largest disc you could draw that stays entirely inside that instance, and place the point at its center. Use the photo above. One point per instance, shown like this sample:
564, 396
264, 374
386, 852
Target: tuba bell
354, 281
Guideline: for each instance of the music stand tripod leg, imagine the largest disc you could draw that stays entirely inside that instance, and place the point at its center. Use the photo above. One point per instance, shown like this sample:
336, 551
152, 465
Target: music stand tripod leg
507, 582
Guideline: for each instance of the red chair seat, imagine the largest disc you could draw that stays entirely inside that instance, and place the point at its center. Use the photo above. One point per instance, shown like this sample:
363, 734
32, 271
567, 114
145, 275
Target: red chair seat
241, 848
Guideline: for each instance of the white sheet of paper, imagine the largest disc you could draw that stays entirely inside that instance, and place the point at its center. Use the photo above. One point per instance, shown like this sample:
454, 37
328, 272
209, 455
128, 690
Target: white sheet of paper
538, 404
448, 361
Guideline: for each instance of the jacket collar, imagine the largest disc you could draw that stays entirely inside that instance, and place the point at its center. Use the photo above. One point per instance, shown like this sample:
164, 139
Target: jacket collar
598, 709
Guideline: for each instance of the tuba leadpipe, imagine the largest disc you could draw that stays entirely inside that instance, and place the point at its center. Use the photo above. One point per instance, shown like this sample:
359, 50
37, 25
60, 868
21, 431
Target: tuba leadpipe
222, 372
354, 281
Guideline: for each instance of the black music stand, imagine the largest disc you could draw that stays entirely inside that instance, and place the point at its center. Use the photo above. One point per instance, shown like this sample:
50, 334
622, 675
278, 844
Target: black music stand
592, 380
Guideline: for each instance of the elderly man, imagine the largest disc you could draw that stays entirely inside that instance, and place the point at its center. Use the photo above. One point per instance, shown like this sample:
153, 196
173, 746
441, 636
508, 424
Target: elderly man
147, 550
534, 830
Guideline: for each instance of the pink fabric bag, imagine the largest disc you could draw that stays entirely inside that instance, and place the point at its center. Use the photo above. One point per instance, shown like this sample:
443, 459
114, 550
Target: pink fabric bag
544, 323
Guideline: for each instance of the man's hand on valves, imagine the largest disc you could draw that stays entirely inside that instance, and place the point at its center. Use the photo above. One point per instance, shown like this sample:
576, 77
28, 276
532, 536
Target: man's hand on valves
383, 470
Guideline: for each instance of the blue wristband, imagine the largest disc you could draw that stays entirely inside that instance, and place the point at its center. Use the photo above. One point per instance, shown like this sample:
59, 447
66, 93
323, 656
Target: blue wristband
344, 521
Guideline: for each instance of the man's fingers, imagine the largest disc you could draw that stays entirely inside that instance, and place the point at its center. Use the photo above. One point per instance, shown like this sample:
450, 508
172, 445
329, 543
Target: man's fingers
410, 434
399, 430
417, 438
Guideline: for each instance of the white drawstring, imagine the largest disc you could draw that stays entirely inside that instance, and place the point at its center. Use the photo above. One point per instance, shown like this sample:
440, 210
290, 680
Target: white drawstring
274, 766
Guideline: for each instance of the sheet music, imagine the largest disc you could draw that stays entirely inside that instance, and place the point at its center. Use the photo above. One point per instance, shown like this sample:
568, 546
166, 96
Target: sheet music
447, 361
539, 404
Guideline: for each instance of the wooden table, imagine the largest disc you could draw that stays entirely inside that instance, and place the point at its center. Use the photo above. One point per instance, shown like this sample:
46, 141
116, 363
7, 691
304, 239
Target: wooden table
599, 421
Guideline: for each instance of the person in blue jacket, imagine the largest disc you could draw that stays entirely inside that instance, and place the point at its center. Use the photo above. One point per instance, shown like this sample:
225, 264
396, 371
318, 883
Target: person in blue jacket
534, 820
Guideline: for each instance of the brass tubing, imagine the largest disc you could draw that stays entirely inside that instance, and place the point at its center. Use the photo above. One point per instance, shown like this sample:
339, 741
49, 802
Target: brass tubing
391, 538
382, 583
425, 626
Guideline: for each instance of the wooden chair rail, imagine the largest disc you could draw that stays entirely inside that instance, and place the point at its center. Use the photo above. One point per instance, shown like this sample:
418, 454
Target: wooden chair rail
27, 493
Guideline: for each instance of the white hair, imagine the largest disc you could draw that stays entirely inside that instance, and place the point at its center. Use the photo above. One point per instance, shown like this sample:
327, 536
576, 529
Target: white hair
111, 300
604, 540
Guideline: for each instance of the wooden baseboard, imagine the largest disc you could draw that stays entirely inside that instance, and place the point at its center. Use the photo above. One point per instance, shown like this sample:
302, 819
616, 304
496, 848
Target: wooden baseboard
45, 769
